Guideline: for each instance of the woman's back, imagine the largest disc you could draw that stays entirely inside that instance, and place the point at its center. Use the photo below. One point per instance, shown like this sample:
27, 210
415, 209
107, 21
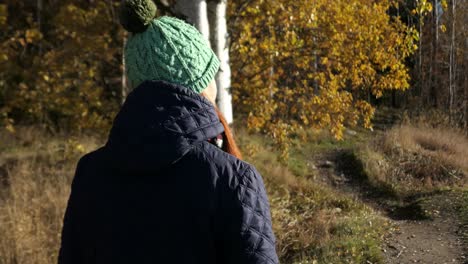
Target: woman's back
159, 192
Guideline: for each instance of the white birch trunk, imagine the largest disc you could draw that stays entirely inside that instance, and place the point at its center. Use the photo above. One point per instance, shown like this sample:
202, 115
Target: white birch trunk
125, 90
219, 35
196, 13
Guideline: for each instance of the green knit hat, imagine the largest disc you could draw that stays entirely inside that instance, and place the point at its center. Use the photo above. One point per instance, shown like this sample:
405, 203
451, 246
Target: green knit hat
165, 48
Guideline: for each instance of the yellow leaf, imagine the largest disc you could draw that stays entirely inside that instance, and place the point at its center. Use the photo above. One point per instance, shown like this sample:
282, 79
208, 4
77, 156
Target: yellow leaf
33, 35
442, 28
10, 128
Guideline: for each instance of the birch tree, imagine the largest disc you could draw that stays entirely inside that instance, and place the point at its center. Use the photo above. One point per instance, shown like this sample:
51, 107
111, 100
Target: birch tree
194, 12
422, 8
125, 88
210, 18
218, 39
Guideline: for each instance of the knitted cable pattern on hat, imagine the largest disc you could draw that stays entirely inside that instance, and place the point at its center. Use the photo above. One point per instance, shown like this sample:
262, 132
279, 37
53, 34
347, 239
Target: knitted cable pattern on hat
170, 50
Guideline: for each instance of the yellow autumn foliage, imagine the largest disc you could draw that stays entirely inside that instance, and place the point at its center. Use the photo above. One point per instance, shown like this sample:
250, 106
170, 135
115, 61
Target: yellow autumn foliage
64, 73
301, 63
295, 64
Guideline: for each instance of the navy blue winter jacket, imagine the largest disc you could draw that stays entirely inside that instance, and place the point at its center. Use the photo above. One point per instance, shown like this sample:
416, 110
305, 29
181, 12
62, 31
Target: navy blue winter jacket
159, 192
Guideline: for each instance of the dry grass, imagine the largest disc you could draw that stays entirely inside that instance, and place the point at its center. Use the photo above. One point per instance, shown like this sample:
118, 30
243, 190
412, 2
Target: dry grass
313, 223
444, 144
32, 213
37, 171
418, 158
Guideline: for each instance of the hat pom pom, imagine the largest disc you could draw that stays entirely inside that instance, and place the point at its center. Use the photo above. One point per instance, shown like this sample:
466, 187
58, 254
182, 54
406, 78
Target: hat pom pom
136, 15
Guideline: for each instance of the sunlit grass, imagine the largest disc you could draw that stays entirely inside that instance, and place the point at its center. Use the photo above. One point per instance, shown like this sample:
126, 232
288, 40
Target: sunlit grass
314, 223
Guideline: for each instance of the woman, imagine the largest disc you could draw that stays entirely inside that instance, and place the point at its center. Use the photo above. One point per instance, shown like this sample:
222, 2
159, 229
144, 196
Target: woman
169, 185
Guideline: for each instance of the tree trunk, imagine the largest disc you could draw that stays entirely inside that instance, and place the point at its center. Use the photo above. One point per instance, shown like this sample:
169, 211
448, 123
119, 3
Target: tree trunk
465, 80
452, 62
125, 89
271, 83
433, 100
194, 12
219, 43
420, 48
39, 20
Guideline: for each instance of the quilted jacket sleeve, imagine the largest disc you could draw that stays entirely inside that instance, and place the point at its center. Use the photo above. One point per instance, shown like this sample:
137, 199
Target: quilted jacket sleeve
247, 236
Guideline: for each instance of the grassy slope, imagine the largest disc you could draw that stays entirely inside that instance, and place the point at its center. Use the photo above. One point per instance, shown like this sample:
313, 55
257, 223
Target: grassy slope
408, 172
313, 222
35, 177
416, 171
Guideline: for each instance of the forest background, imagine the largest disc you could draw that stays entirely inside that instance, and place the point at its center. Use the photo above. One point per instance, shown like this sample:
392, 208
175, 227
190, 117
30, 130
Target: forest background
293, 71
317, 64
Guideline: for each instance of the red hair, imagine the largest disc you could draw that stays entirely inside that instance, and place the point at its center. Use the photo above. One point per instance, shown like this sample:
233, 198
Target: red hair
229, 144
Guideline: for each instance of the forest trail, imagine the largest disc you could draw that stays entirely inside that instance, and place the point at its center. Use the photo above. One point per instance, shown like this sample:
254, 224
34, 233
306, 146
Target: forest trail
424, 241
425, 227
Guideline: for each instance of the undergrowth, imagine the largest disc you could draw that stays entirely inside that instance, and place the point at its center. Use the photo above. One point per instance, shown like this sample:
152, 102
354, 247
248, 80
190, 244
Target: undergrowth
35, 176
313, 222
414, 159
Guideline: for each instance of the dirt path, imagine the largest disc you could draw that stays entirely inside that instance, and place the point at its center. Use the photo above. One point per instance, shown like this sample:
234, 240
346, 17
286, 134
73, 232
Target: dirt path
428, 241
424, 232
437, 239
